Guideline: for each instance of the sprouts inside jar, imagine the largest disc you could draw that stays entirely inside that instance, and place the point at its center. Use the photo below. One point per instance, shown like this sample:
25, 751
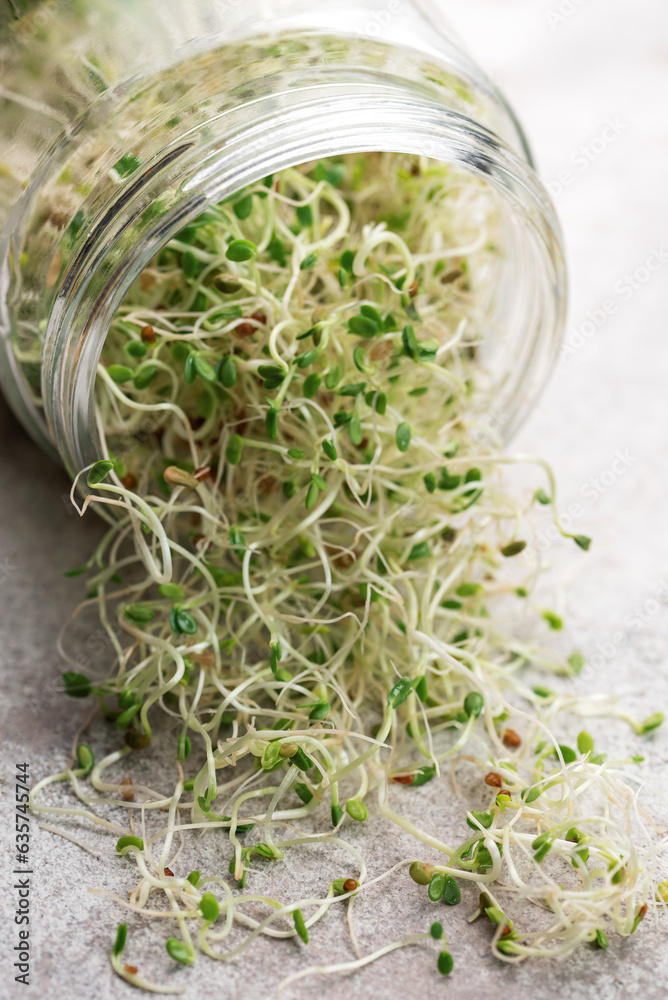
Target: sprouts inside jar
316, 565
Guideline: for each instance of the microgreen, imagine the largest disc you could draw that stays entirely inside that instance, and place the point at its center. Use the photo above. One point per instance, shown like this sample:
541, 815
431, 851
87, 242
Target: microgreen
241, 250
316, 601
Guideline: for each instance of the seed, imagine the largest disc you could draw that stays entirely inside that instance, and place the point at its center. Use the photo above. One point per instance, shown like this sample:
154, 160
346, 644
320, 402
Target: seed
245, 329
267, 485
169, 872
511, 738
350, 885
148, 334
126, 792
202, 473
131, 969
402, 779
129, 481
493, 779
177, 477
421, 872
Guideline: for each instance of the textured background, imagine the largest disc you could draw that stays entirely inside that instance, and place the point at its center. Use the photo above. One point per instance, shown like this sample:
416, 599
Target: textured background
567, 66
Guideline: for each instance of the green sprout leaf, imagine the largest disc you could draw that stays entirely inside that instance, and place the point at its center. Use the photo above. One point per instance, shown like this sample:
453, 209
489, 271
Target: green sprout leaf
138, 613
123, 844
234, 449
473, 704
300, 926
436, 887
357, 810
76, 685
85, 758
241, 250
181, 621
403, 437
121, 938
400, 692
319, 711
451, 891
99, 472
179, 951
209, 907
446, 963
651, 723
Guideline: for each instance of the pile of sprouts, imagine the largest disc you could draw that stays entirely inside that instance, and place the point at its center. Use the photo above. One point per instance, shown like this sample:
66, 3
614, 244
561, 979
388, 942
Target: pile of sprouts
316, 566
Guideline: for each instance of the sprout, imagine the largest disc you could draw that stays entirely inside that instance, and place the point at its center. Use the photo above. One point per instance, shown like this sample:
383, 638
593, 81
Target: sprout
445, 963
303, 436
121, 938
241, 250
125, 844
209, 907
76, 685
300, 926
85, 758
357, 810
179, 951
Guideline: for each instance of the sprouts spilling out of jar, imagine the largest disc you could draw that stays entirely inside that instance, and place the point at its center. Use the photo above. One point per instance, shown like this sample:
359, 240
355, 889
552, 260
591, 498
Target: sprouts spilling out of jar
314, 562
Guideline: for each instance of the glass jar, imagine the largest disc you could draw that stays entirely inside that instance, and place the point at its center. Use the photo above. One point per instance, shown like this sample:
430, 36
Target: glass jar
122, 120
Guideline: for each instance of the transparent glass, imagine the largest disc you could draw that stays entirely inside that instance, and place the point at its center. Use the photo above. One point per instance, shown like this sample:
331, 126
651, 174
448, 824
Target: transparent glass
122, 120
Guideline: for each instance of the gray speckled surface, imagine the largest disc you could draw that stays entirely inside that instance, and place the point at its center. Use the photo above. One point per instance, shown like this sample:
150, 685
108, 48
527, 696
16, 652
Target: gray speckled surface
566, 74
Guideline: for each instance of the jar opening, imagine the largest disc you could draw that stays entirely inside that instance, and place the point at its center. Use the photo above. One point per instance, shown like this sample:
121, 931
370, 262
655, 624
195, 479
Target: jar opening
187, 177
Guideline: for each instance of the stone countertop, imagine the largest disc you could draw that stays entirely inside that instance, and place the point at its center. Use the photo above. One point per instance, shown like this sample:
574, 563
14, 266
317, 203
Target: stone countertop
588, 79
